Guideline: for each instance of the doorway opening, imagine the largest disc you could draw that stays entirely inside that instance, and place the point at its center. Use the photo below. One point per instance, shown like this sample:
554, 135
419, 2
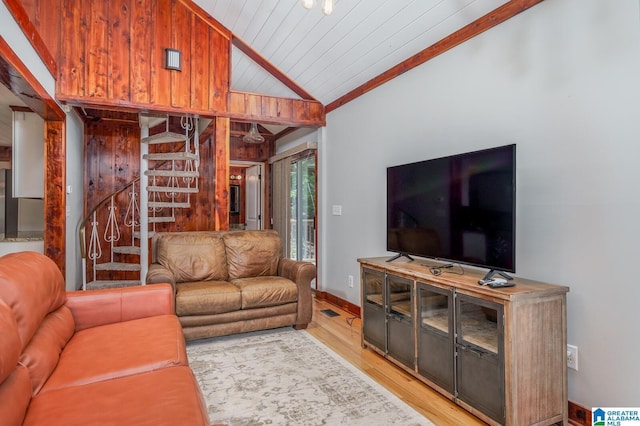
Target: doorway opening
246, 195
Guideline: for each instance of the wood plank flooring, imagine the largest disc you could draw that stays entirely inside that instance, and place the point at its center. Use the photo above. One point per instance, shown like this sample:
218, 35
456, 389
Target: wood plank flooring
342, 335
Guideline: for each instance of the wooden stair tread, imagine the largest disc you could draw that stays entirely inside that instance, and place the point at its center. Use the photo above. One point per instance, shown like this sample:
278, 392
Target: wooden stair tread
170, 156
186, 190
170, 173
168, 204
150, 234
100, 284
162, 219
117, 266
164, 137
126, 249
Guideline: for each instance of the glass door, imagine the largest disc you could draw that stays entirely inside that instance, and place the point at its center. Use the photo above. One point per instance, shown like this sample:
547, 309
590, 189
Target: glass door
302, 205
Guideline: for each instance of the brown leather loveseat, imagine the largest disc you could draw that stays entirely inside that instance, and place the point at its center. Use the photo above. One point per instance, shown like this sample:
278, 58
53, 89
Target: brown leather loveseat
230, 282
101, 357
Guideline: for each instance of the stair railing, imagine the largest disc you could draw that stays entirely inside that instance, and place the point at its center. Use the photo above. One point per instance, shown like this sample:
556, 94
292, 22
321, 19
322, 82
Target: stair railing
95, 250
112, 231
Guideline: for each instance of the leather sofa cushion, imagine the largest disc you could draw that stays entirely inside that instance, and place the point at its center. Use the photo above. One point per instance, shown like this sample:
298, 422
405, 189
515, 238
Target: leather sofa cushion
169, 396
32, 286
252, 253
15, 394
10, 349
43, 351
261, 292
193, 257
118, 350
207, 297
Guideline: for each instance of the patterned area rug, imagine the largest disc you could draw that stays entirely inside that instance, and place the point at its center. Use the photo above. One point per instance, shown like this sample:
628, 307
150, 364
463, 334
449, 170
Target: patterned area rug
287, 377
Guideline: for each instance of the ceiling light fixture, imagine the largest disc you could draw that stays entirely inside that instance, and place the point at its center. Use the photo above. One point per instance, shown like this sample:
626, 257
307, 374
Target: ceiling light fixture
327, 5
254, 135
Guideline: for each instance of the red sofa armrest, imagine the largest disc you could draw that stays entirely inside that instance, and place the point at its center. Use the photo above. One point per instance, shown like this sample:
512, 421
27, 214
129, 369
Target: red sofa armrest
93, 308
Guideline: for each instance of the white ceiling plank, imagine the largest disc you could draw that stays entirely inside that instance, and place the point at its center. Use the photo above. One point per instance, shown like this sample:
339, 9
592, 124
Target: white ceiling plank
328, 56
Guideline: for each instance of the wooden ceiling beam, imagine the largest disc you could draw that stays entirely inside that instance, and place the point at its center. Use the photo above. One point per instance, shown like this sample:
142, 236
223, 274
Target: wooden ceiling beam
271, 69
29, 30
480, 25
15, 75
204, 15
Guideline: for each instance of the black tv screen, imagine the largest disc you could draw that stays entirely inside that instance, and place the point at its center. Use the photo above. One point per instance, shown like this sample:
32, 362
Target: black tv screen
459, 208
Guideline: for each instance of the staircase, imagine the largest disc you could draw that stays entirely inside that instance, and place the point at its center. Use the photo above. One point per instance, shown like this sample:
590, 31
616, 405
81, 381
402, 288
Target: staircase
169, 164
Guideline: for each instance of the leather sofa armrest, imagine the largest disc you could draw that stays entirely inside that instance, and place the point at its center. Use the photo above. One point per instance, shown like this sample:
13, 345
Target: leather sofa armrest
297, 271
159, 274
93, 308
301, 273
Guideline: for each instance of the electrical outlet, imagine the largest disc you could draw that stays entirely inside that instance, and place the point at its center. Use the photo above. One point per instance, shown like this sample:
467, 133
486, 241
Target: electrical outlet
572, 357
350, 281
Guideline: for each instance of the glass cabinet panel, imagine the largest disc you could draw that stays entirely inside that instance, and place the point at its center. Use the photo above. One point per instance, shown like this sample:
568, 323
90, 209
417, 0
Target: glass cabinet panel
400, 297
374, 310
480, 355
434, 309
478, 325
373, 287
400, 339
435, 335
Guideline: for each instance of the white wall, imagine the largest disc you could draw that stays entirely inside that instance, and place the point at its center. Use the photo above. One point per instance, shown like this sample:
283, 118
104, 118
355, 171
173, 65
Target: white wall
74, 199
293, 139
561, 81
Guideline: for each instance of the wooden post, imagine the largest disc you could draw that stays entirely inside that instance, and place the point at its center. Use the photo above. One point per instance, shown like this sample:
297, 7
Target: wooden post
221, 197
54, 193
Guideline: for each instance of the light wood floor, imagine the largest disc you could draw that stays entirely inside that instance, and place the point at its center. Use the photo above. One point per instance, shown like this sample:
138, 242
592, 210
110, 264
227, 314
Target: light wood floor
342, 334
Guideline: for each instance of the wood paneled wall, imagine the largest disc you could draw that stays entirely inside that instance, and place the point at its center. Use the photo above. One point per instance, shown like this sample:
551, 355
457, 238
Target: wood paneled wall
5, 153
111, 54
112, 159
270, 109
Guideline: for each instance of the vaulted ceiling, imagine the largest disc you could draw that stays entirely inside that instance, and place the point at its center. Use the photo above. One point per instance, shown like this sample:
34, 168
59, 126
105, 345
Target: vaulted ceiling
331, 56
282, 49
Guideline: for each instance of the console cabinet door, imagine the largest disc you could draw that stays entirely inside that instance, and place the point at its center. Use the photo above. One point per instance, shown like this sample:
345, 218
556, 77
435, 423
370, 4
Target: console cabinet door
480, 355
400, 340
374, 308
435, 335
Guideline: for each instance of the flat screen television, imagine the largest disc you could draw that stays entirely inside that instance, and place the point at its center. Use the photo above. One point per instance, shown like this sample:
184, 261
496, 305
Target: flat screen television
459, 209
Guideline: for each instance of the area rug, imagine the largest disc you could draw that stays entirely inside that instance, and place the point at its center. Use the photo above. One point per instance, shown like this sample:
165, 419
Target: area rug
287, 377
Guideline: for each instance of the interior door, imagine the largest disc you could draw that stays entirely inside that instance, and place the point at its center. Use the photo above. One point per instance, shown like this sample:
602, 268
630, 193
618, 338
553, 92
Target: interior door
253, 188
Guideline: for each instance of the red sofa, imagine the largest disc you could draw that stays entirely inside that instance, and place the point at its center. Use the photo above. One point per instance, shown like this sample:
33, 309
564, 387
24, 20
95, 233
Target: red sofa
107, 357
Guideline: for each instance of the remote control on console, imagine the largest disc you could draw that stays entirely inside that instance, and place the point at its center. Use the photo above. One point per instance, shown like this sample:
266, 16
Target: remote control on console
496, 283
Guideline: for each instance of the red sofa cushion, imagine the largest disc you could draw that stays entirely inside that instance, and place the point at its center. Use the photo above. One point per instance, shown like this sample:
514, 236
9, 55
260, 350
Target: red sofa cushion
169, 396
118, 350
